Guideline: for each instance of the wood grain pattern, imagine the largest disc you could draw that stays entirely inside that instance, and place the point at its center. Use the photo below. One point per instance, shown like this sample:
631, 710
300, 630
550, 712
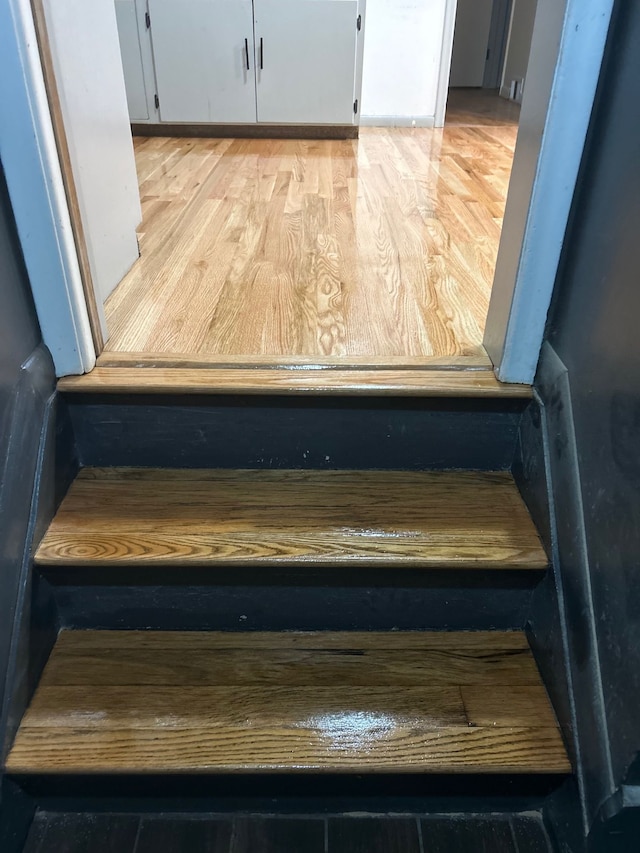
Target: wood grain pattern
267, 381
477, 361
211, 641
293, 667
149, 703
148, 517
115, 706
382, 246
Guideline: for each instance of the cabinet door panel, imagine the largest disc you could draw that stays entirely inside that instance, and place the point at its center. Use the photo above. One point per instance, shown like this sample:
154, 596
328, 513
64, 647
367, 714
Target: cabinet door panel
308, 60
201, 61
131, 60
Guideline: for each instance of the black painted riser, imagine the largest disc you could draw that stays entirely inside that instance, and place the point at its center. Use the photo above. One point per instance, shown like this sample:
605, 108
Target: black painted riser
291, 792
295, 432
278, 607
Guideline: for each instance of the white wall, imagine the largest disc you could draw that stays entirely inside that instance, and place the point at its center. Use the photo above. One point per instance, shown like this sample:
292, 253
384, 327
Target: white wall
88, 68
402, 52
470, 41
523, 15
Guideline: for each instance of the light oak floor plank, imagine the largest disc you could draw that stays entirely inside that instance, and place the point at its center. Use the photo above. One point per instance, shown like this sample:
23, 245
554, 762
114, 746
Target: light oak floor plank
151, 517
383, 246
95, 641
165, 702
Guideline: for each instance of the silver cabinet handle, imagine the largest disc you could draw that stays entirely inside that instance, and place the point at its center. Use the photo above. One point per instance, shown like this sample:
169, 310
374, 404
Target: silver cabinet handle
261, 55
246, 50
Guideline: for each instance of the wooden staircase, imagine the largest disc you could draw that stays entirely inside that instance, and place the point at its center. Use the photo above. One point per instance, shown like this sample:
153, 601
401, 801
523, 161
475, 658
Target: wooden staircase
145, 565
167, 702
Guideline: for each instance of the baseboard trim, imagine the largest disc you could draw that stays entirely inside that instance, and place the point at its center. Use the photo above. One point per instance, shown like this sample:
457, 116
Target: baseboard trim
577, 644
248, 131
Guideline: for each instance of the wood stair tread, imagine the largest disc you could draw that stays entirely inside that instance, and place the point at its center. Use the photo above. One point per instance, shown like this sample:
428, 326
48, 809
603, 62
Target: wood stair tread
167, 702
325, 380
154, 517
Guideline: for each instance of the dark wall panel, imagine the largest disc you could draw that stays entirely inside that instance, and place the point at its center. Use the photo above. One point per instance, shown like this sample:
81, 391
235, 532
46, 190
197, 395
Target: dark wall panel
19, 336
19, 331
594, 330
26, 422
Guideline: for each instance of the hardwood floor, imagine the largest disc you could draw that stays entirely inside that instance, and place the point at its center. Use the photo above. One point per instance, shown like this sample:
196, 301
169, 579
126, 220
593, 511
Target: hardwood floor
152, 517
55, 832
480, 107
172, 702
383, 246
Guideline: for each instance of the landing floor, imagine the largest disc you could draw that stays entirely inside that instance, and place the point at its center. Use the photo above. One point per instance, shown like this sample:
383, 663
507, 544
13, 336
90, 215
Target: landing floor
379, 247
131, 833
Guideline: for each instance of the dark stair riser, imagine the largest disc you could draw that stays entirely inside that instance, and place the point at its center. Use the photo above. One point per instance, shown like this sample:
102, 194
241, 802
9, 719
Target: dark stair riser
295, 432
291, 793
289, 601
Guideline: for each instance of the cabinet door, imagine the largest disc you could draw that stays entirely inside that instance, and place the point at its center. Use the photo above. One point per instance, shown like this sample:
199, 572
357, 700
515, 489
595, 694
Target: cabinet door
201, 51
132, 60
306, 60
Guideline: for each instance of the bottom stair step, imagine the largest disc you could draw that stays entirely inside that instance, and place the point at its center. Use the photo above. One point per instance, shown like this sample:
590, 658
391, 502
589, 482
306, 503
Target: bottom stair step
208, 702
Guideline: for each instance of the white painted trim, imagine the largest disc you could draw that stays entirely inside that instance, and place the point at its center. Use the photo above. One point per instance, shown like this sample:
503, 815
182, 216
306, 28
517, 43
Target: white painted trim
397, 121
444, 73
523, 287
34, 179
503, 84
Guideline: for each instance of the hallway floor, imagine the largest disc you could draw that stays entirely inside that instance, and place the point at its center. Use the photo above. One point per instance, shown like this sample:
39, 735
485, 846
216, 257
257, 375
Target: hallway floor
131, 833
379, 247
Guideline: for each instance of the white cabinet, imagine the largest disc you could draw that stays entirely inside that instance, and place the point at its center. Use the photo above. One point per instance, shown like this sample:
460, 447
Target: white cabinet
137, 59
306, 60
242, 61
203, 51
131, 51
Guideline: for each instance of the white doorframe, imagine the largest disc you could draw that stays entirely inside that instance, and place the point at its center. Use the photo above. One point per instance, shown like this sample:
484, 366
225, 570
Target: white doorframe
566, 56
448, 29
567, 48
34, 180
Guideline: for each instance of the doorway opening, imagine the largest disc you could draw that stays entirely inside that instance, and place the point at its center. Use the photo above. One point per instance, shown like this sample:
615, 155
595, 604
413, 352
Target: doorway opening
377, 245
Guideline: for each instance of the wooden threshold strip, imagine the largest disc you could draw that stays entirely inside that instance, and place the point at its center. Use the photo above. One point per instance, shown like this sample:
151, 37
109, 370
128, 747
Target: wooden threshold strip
478, 360
381, 382
169, 702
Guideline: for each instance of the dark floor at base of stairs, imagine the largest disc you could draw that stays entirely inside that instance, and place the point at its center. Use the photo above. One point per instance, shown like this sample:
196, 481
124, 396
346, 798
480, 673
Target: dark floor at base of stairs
130, 833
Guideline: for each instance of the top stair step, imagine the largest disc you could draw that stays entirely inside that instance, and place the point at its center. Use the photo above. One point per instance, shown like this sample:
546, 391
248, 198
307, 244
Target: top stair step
125, 373
163, 517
